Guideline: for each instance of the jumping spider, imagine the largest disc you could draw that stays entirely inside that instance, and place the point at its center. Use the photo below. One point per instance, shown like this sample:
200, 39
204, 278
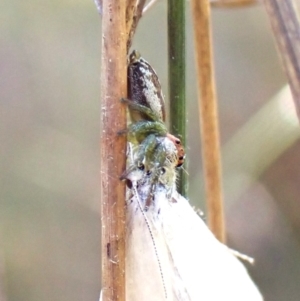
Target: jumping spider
154, 153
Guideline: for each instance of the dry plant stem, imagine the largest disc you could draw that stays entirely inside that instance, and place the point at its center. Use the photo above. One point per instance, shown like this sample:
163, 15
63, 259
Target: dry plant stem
214, 3
130, 12
208, 116
134, 12
232, 3
113, 149
149, 5
286, 29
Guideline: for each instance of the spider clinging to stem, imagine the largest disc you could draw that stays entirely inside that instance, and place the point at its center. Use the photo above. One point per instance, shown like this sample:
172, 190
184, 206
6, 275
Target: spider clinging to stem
148, 130
146, 104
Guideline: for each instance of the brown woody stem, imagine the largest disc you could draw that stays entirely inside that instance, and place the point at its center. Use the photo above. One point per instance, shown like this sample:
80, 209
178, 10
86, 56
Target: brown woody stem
113, 148
286, 29
208, 116
134, 12
232, 3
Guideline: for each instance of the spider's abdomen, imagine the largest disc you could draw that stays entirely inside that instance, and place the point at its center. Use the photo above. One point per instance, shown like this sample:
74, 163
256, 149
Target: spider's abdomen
144, 88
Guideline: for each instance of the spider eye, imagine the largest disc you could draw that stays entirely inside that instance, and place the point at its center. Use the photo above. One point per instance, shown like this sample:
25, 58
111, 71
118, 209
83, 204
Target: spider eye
163, 170
177, 141
141, 166
148, 173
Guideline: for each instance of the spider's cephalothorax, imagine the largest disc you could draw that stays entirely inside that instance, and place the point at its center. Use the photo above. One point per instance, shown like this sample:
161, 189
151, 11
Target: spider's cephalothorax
155, 155
156, 150
161, 174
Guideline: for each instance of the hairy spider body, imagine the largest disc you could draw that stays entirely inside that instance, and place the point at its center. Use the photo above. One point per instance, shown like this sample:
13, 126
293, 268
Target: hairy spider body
147, 101
145, 89
156, 150
160, 172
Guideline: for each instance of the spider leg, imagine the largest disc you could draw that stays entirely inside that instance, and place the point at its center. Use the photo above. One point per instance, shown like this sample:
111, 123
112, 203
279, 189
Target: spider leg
141, 111
157, 169
144, 157
141, 129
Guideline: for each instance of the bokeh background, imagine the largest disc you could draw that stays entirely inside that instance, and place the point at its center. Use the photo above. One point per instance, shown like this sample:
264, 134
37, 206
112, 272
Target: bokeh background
49, 137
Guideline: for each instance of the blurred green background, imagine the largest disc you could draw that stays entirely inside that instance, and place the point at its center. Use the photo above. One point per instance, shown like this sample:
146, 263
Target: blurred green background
50, 128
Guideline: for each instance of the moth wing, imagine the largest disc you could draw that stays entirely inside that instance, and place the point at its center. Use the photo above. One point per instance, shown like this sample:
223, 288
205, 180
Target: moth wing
203, 268
147, 260
180, 260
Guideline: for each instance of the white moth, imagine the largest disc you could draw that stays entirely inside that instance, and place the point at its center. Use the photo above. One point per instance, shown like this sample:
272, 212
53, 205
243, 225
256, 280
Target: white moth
172, 255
